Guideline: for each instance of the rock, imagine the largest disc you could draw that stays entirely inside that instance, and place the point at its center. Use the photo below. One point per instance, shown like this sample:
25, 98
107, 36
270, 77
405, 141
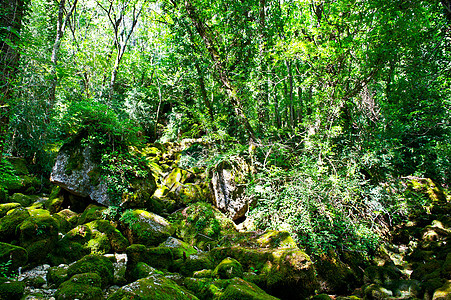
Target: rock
24, 200
243, 290
85, 286
94, 263
116, 241
12, 290
12, 257
146, 228
377, 292
227, 187
382, 275
179, 248
228, 268
205, 273
9, 223
57, 275
156, 257
201, 224
193, 263
443, 293
76, 171
154, 287
91, 213
285, 273
55, 201
6, 207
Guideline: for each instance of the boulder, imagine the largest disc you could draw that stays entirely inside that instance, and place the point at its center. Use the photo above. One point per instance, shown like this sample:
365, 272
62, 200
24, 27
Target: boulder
154, 287
228, 268
12, 290
12, 257
78, 172
228, 188
94, 263
243, 290
146, 228
85, 286
9, 223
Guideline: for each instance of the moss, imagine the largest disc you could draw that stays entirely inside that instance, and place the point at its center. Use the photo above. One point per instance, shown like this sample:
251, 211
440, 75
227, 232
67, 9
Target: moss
91, 213
205, 273
94, 263
238, 289
56, 276
30, 184
55, 200
117, 242
155, 287
428, 188
201, 223
37, 228
5, 207
156, 257
86, 286
376, 292
321, 297
203, 288
146, 228
63, 224
99, 243
228, 268
38, 251
9, 223
75, 161
444, 292
287, 271
194, 263
19, 165
179, 248
276, 239
70, 216
24, 200
3, 195
65, 252
15, 256
12, 290
143, 270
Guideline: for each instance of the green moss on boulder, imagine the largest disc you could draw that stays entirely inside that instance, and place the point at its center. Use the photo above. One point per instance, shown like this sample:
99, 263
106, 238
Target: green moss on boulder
5, 207
9, 223
12, 290
94, 263
91, 213
13, 257
146, 228
85, 286
55, 201
179, 248
154, 287
228, 268
24, 200
65, 252
117, 242
57, 275
239, 289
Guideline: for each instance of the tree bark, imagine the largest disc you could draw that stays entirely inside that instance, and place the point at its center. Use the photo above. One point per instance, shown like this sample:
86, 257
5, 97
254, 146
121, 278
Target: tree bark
235, 100
11, 15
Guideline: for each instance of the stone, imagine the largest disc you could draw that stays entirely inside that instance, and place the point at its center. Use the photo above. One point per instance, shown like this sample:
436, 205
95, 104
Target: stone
9, 223
12, 257
228, 268
227, 187
6, 207
443, 293
239, 289
154, 287
94, 263
146, 228
12, 290
85, 286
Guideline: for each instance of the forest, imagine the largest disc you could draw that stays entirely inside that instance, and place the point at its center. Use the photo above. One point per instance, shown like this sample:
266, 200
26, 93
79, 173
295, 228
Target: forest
258, 149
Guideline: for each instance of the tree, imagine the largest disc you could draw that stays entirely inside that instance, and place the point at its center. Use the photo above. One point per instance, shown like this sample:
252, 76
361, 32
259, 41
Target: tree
11, 17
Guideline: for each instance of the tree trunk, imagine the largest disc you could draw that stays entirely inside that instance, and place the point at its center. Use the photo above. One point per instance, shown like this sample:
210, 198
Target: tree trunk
11, 14
235, 100
60, 28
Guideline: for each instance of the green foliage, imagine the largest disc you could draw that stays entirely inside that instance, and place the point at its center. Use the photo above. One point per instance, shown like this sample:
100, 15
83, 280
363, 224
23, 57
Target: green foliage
5, 269
7, 175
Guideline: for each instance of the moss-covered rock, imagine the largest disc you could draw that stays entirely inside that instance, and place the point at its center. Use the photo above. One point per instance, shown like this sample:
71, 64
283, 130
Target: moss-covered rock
156, 257
193, 263
5, 207
377, 292
12, 257
154, 287
57, 275
116, 241
66, 252
94, 263
24, 200
85, 286
19, 165
286, 273
9, 223
146, 228
204, 288
228, 268
443, 293
12, 290
37, 228
201, 224
179, 248
70, 216
205, 273
141, 191
335, 276
91, 213
55, 201
239, 289
30, 184
428, 188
